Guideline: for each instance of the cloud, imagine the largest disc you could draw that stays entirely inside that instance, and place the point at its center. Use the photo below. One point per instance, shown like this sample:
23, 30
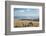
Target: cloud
26, 12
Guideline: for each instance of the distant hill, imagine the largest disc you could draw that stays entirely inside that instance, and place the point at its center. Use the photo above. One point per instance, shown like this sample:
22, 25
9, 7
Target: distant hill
26, 17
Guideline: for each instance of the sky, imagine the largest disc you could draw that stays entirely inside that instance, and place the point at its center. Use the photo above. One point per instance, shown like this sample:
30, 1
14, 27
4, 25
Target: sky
26, 12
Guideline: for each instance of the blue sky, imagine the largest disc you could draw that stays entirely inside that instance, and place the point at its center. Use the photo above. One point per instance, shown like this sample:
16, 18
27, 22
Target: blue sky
26, 12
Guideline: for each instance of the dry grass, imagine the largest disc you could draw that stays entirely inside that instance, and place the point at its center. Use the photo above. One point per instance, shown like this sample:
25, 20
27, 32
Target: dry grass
25, 23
